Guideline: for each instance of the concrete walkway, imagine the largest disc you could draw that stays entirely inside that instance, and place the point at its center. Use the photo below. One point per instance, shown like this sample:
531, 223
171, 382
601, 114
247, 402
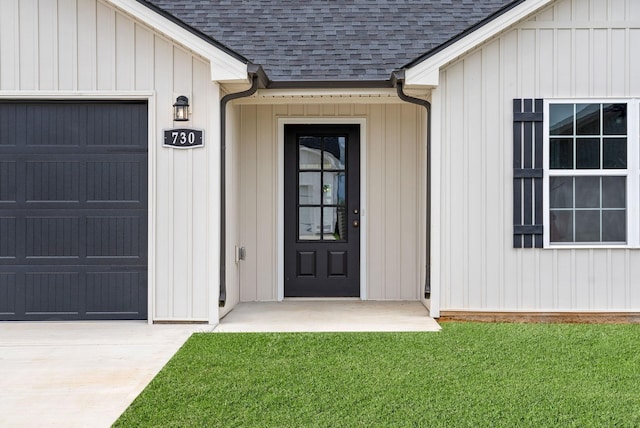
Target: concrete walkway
79, 374
328, 316
85, 374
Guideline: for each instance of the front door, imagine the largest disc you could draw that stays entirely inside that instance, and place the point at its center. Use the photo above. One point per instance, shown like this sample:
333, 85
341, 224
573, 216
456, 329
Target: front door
322, 211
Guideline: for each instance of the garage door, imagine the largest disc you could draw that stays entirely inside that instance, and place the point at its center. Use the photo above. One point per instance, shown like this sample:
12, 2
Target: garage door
73, 210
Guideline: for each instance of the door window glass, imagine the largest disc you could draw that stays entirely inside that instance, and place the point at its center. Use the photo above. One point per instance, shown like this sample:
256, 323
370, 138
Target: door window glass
322, 187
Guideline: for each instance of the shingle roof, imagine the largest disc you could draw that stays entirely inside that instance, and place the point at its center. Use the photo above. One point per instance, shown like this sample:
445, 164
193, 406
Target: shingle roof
307, 40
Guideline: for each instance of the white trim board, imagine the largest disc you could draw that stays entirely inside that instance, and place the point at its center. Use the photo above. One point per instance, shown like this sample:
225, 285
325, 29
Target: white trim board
427, 72
224, 67
363, 192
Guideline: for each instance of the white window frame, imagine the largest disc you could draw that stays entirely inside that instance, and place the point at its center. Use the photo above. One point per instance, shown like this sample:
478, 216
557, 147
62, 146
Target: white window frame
632, 172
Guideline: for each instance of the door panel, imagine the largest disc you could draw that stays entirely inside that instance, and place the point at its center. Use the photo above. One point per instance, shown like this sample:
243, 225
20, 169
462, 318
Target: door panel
322, 206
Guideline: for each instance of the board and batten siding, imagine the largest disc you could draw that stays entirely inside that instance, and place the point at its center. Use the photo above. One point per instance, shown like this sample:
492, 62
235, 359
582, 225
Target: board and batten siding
395, 152
86, 46
572, 49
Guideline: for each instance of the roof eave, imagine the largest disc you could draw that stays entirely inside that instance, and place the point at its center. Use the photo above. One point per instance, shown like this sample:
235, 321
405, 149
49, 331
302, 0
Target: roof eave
424, 71
226, 64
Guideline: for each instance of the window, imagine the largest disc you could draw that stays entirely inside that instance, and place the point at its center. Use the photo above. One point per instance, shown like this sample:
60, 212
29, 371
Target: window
591, 173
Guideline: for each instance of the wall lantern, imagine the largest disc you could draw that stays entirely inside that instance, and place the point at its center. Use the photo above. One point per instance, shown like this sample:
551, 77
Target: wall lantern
181, 109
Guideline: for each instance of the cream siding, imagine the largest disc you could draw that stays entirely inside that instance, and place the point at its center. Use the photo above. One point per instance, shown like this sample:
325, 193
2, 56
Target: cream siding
395, 194
574, 48
73, 48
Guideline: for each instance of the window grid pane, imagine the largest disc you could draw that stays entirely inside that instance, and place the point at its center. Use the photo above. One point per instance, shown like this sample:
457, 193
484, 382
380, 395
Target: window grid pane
589, 138
581, 211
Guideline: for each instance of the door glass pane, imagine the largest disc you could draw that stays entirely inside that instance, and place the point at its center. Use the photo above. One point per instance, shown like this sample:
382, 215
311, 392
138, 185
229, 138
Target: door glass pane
587, 153
588, 226
561, 153
334, 224
614, 153
615, 119
309, 188
561, 119
333, 188
334, 152
587, 192
310, 152
341, 225
587, 119
309, 224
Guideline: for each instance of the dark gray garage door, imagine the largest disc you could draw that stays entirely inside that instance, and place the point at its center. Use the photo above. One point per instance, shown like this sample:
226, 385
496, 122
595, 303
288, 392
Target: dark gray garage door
73, 210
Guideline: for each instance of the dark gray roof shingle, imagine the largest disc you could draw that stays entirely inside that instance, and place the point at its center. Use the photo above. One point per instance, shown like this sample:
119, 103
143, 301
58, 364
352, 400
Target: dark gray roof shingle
306, 40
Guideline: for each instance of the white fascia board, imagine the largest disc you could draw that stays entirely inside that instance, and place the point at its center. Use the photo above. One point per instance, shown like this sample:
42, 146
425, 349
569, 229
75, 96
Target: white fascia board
427, 72
224, 67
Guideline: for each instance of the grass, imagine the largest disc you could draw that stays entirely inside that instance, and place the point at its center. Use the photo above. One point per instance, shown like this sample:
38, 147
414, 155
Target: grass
468, 375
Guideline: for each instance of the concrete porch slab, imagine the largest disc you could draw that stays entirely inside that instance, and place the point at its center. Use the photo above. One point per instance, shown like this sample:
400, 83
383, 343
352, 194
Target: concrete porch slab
79, 374
327, 316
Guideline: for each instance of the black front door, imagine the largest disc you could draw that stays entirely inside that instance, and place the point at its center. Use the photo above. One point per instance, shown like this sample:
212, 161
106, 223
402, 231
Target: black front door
322, 211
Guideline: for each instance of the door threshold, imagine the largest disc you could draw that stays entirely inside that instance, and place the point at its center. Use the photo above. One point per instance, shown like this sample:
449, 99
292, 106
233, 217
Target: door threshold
322, 299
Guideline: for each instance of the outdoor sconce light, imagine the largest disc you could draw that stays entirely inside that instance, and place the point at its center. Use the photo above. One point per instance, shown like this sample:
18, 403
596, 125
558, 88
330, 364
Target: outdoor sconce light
181, 109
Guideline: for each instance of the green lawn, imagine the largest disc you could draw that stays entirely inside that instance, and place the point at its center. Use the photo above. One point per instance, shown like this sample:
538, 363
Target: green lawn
473, 375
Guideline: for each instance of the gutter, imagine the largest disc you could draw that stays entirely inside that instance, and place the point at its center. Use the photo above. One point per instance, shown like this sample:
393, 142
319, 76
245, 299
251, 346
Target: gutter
257, 76
333, 84
398, 79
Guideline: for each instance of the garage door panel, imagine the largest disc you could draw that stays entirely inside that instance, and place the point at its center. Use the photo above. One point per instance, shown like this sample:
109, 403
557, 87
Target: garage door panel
8, 294
107, 290
128, 131
59, 123
73, 210
52, 237
114, 236
52, 181
51, 124
52, 293
73, 292
8, 181
116, 180
8, 248
57, 237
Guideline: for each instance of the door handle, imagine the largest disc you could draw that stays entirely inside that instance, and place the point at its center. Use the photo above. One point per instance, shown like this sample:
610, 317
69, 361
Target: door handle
356, 223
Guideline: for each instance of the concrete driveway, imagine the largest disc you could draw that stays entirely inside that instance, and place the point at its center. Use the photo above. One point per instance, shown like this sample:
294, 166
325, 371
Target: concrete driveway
79, 374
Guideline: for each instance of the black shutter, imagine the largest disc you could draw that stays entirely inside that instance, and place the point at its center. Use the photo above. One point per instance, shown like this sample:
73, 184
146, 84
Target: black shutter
527, 173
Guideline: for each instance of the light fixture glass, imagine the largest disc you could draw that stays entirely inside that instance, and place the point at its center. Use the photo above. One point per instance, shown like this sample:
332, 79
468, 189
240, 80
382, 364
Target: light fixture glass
181, 109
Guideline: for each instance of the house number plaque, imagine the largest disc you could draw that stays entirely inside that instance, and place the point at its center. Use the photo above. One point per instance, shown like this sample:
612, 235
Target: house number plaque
183, 138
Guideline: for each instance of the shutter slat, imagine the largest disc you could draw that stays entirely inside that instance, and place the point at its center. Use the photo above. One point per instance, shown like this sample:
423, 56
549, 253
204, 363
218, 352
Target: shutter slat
517, 166
528, 164
538, 167
527, 173
533, 229
527, 117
